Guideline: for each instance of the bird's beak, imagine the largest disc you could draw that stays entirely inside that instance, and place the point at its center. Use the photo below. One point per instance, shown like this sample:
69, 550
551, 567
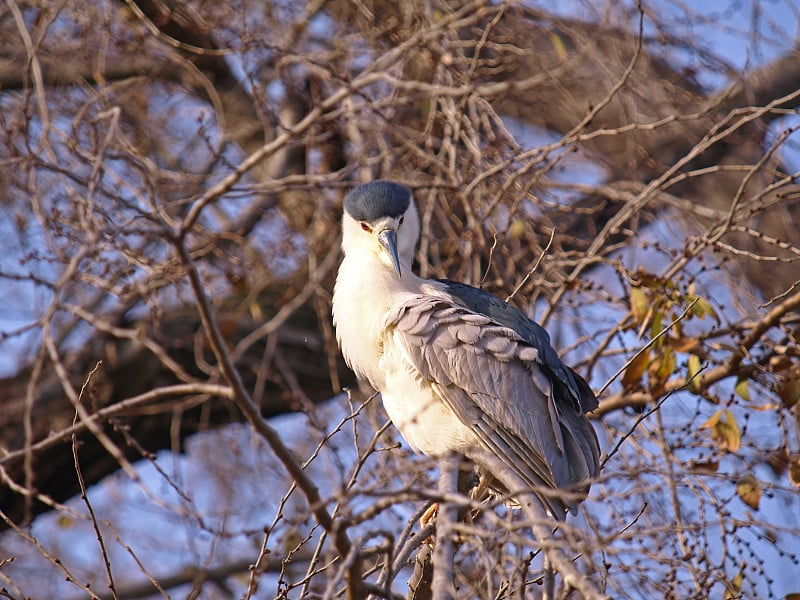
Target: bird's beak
388, 239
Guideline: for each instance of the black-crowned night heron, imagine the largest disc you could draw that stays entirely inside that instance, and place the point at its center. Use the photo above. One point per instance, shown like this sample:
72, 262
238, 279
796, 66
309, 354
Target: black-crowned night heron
459, 370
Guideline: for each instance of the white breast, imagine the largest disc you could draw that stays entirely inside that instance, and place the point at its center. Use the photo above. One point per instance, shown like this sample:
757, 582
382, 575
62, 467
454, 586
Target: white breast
426, 423
359, 315
359, 312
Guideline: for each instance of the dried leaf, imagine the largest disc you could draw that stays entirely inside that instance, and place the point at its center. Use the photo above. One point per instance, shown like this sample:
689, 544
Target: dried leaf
632, 377
694, 375
702, 308
724, 430
684, 344
712, 420
656, 325
788, 390
794, 472
778, 460
665, 364
734, 587
795, 596
639, 304
705, 468
749, 490
743, 389
657, 387
780, 363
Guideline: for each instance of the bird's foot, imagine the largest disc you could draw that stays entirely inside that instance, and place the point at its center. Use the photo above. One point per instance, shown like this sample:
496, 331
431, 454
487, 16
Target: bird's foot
428, 517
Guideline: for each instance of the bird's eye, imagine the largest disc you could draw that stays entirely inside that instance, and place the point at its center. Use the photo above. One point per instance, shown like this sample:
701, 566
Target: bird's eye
366, 227
403, 218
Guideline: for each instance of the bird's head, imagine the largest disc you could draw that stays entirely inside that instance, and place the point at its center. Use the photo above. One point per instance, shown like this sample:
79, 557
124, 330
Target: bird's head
380, 217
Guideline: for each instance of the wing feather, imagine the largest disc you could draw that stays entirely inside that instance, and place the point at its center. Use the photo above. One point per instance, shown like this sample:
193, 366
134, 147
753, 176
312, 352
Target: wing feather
493, 380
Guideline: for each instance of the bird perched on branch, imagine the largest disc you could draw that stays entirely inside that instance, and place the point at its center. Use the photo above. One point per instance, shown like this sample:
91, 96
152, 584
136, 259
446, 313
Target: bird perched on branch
459, 370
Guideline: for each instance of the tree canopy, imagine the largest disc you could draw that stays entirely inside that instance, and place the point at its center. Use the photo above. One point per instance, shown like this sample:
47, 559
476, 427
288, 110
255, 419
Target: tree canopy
172, 176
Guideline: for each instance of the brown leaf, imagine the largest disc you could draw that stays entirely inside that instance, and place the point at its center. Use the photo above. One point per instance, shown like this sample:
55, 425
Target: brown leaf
780, 363
632, 377
749, 490
794, 472
778, 460
788, 390
704, 468
684, 344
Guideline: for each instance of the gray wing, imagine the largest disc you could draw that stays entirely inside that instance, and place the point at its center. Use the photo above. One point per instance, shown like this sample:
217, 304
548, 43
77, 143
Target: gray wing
494, 382
573, 386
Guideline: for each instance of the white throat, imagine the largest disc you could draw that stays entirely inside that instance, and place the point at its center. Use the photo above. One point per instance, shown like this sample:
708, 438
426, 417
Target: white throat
361, 306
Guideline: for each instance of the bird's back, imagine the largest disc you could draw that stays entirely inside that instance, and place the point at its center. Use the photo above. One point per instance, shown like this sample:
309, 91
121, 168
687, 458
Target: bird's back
571, 386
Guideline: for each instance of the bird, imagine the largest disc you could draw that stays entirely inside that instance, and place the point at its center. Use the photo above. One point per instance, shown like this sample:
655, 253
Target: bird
459, 370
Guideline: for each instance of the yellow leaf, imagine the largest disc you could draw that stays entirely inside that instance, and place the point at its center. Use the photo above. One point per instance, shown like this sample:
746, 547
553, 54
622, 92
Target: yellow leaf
725, 431
656, 324
734, 587
749, 490
517, 229
733, 436
255, 310
712, 420
702, 308
65, 522
743, 389
666, 364
694, 375
558, 46
639, 304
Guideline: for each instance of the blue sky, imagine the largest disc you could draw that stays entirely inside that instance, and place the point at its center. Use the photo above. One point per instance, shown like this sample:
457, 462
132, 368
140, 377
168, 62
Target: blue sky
726, 31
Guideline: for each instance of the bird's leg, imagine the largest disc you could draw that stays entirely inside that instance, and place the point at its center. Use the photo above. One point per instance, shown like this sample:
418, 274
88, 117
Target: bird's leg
444, 550
479, 491
429, 515
468, 482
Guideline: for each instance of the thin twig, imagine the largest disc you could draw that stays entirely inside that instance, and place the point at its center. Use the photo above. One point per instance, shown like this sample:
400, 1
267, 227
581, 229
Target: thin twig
82, 483
251, 412
534, 267
537, 518
644, 348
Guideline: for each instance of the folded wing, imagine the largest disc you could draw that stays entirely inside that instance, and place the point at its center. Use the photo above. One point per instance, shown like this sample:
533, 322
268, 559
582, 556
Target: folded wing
524, 408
